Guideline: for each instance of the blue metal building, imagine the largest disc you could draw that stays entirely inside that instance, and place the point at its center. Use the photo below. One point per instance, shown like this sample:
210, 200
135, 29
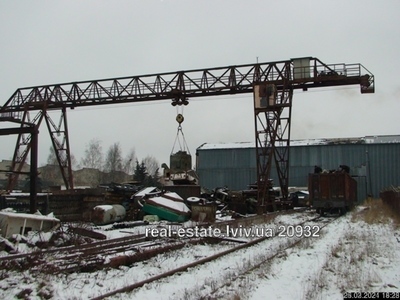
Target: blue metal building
373, 160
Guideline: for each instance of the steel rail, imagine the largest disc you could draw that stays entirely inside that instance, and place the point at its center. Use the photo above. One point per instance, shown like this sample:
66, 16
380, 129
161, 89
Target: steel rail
184, 268
78, 248
142, 237
270, 258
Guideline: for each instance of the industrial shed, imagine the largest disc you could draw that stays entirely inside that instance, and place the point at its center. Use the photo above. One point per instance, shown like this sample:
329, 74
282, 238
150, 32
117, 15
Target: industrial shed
373, 160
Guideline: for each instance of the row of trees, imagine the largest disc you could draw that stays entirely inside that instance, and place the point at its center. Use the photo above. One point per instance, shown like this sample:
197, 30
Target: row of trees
113, 161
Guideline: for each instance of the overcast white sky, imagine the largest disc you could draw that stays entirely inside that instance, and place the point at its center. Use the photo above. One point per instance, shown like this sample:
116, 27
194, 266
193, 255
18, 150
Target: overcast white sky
46, 42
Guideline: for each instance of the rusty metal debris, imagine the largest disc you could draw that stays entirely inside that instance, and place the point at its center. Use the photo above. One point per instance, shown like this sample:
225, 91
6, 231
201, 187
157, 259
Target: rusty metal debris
391, 196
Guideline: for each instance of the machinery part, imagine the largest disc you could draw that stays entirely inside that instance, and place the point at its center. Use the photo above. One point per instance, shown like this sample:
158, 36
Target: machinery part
180, 118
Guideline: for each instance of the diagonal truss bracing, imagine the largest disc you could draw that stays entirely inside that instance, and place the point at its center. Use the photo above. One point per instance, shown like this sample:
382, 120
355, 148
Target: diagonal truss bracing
189, 84
272, 120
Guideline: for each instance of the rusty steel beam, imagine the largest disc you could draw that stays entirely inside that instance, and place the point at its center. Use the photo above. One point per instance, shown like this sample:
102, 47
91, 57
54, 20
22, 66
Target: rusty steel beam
272, 122
272, 114
60, 141
184, 84
33, 131
22, 148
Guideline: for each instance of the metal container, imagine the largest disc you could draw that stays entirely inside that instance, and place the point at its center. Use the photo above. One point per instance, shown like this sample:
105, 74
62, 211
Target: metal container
106, 214
332, 191
180, 161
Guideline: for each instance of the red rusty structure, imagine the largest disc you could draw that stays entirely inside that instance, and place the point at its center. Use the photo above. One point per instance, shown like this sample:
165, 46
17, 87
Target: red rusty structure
330, 192
391, 197
272, 84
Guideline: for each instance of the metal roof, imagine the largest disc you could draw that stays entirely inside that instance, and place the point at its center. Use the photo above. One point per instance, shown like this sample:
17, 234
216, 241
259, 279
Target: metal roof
379, 139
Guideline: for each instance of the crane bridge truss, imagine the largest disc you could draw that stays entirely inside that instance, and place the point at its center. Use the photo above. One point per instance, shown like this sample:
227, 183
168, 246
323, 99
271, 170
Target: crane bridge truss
271, 83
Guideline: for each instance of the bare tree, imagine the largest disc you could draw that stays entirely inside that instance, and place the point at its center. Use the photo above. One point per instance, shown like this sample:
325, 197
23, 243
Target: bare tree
152, 166
74, 162
93, 155
129, 162
113, 160
51, 172
52, 158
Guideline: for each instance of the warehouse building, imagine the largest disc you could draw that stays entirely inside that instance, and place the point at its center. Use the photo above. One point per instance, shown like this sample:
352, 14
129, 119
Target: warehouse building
373, 160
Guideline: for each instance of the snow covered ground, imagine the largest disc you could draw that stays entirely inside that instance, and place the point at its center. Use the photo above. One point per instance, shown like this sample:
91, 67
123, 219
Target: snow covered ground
350, 254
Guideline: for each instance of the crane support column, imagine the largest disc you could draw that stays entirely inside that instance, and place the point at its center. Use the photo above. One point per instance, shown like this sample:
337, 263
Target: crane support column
33, 131
60, 140
272, 114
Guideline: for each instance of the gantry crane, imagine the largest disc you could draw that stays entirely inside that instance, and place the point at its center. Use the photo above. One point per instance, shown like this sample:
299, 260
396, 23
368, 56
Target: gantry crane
271, 83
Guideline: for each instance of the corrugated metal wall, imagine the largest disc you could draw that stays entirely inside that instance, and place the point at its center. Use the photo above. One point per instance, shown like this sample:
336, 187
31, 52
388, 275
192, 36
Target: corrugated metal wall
236, 167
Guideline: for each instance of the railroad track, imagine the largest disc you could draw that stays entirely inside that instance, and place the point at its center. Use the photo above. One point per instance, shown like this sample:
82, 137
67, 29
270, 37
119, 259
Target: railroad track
74, 248
77, 258
78, 248
93, 256
321, 221
270, 258
126, 250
